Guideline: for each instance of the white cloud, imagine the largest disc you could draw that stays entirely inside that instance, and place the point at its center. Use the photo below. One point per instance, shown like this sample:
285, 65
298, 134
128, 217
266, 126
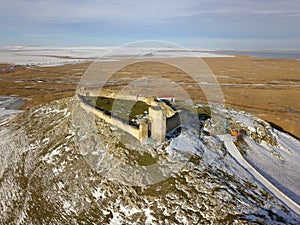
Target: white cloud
90, 10
155, 11
152, 18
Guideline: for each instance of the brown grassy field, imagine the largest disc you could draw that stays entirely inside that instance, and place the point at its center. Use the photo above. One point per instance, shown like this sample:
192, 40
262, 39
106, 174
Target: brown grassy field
39, 85
276, 101
267, 88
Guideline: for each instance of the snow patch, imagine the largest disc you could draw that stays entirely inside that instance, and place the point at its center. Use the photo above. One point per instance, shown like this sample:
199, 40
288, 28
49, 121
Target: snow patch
98, 194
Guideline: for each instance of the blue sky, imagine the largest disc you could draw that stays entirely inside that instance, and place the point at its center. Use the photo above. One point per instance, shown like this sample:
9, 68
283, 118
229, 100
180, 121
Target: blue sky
240, 24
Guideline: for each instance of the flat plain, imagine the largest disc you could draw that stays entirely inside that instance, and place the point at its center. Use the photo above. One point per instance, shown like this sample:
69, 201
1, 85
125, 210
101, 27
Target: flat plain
267, 88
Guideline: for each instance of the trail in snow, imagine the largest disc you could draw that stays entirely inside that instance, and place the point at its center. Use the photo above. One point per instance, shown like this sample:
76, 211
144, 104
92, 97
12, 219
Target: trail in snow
234, 152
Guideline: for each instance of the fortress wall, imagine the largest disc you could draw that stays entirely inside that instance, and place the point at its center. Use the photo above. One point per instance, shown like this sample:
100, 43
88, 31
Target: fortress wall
116, 95
173, 122
163, 121
143, 131
169, 111
130, 129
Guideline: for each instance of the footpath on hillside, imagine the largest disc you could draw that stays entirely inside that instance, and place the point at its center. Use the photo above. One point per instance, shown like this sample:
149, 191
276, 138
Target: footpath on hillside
234, 152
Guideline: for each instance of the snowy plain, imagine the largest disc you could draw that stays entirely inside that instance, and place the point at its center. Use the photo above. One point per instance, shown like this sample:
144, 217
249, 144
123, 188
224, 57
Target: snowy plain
53, 56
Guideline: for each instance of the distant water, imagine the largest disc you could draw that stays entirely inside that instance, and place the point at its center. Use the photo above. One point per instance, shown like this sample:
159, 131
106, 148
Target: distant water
287, 54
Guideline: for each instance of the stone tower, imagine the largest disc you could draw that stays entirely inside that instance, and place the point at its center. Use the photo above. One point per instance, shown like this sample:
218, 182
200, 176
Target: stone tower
158, 120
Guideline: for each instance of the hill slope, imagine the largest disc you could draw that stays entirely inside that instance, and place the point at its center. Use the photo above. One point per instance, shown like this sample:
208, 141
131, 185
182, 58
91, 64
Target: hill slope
45, 178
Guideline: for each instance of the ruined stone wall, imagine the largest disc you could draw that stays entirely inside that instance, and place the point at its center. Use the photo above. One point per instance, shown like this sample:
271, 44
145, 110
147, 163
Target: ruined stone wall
173, 122
162, 121
137, 133
113, 94
143, 131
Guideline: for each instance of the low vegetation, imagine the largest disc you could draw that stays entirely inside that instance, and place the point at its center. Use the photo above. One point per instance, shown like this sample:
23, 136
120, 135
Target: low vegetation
127, 110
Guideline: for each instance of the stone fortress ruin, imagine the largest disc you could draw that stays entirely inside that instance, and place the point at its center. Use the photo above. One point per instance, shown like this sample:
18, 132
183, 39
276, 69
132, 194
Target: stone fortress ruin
160, 117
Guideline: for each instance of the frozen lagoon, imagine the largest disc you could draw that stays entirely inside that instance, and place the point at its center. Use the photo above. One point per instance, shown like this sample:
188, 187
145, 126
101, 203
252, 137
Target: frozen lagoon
55, 56
9, 108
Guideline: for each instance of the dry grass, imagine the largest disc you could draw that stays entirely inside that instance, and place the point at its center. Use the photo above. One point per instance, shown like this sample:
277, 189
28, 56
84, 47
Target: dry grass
267, 88
41, 85
276, 101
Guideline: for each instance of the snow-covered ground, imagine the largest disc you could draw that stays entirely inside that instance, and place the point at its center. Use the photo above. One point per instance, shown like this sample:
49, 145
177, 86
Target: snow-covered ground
281, 168
234, 152
274, 154
52, 56
7, 109
42, 169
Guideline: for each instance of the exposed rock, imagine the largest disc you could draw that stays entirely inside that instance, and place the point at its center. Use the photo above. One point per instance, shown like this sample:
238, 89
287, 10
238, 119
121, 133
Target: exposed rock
47, 177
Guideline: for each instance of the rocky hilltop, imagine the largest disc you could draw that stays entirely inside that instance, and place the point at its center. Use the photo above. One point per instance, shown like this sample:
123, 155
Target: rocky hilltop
46, 177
